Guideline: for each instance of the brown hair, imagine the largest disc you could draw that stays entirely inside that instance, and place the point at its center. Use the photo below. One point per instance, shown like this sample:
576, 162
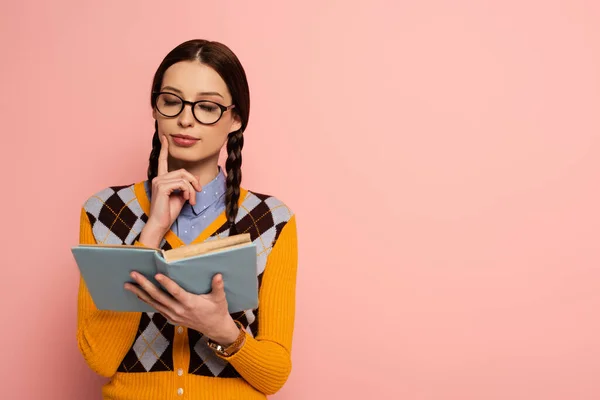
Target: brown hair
220, 58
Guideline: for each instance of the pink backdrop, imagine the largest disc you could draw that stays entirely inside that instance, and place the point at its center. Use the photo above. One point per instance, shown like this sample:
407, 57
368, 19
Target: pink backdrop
442, 157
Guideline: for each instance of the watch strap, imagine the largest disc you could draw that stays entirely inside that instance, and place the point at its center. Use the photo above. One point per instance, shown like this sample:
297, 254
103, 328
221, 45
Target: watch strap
234, 347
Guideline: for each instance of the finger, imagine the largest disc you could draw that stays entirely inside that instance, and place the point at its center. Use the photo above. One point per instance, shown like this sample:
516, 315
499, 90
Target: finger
143, 296
182, 173
174, 289
135, 289
191, 193
169, 186
154, 292
163, 156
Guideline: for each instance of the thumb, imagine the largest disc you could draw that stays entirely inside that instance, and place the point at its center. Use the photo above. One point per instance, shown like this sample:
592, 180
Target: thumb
218, 286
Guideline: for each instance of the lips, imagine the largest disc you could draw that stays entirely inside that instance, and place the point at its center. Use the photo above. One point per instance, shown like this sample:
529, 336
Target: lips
184, 140
187, 137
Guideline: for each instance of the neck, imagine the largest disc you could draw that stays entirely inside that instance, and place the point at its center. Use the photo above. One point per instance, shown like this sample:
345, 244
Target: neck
205, 170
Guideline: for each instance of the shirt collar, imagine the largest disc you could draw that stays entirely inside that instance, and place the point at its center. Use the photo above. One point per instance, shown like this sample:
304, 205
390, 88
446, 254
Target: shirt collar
211, 193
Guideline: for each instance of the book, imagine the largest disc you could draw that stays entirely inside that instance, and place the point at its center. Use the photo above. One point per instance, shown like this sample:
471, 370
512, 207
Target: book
106, 268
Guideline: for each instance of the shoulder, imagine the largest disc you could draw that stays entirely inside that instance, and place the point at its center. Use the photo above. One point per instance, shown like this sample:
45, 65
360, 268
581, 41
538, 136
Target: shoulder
260, 205
115, 213
263, 215
114, 197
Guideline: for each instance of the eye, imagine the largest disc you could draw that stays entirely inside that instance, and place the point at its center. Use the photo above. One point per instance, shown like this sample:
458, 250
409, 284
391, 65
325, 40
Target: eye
207, 107
169, 99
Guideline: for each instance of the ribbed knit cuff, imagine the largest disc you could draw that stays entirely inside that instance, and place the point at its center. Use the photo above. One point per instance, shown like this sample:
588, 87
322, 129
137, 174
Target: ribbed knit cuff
263, 363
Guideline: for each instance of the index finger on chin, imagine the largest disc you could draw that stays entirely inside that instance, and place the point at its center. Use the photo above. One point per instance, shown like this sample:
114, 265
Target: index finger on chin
163, 157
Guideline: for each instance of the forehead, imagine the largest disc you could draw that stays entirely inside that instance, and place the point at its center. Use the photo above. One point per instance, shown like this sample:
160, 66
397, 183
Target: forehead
193, 77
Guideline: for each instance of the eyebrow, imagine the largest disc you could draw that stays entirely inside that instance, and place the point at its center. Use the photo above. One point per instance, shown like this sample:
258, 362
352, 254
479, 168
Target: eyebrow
200, 93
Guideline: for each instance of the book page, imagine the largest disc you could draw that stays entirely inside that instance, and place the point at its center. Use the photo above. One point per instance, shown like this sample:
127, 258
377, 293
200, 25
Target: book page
206, 247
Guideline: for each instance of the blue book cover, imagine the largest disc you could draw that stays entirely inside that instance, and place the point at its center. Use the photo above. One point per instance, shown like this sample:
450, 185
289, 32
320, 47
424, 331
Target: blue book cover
106, 269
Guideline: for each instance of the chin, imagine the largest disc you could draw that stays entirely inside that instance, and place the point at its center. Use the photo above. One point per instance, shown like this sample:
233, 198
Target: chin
190, 155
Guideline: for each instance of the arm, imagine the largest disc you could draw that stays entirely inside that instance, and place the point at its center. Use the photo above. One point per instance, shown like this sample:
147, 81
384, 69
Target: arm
103, 337
265, 361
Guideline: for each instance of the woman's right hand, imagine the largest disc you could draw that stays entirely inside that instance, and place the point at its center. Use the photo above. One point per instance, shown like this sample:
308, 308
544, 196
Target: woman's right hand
170, 191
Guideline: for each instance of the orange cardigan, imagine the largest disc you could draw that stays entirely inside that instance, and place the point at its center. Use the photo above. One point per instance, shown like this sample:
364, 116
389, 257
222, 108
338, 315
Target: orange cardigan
147, 358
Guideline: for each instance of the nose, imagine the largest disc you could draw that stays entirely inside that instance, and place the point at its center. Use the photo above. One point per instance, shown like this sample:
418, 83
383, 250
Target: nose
186, 117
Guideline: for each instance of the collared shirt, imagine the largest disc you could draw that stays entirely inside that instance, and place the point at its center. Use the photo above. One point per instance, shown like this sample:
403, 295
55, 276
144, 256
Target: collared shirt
210, 203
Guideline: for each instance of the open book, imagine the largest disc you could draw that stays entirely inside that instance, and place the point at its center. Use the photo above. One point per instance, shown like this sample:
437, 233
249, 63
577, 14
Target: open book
106, 268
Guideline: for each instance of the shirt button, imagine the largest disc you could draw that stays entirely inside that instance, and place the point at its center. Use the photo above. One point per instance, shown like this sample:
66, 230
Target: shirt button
180, 372
180, 391
180, 330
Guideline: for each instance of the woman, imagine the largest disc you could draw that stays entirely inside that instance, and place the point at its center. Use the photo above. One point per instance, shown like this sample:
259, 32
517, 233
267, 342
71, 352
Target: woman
191, 347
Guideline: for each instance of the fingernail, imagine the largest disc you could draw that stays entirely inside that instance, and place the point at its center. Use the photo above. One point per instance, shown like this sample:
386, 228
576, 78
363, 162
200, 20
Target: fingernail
133, 275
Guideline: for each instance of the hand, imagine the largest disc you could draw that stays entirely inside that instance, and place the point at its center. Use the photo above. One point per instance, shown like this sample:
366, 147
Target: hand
206, 313
170, 191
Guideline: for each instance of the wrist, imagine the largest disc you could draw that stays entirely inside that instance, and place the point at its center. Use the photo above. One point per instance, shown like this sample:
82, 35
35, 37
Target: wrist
227, 334
152, 235
226, 348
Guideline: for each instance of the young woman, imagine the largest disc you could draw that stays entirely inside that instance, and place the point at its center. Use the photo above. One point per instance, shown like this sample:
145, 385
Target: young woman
191, 347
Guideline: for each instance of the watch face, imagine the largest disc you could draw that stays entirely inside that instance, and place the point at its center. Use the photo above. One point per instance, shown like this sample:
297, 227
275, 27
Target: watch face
217, 347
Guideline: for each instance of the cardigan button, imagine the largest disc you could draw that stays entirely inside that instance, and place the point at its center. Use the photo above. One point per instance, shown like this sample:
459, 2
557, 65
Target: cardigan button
180, 391
180, 330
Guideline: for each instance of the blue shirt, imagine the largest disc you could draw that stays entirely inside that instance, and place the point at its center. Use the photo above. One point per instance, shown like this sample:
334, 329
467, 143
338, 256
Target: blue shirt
210, 203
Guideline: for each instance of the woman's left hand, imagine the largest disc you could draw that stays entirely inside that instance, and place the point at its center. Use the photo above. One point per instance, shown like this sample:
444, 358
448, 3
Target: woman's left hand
205, 313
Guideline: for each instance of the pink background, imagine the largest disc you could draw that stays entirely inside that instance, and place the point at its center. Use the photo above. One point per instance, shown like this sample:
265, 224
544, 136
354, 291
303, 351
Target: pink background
442, 157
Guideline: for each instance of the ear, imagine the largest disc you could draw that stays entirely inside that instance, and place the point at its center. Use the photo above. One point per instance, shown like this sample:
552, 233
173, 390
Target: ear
236, 124
154, 113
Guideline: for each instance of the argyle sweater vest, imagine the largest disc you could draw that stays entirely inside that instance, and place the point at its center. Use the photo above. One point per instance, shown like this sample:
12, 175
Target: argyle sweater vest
117, 217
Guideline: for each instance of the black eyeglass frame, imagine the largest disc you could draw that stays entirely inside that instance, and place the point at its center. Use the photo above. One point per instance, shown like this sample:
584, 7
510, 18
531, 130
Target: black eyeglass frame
193, 106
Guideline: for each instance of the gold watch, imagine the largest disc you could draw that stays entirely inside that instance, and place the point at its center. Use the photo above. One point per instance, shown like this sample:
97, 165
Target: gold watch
231, 349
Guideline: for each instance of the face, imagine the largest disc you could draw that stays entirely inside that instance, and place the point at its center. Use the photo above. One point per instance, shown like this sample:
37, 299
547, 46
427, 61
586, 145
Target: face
189, 140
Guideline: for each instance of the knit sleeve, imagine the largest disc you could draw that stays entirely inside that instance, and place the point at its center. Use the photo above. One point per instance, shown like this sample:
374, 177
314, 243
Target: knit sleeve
103, 337
265, 360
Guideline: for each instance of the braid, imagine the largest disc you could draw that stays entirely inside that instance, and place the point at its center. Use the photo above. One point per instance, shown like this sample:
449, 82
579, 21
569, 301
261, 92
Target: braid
153, 161
233, 165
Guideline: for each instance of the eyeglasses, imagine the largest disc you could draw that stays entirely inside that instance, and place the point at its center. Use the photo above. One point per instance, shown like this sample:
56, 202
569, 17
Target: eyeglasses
206, 112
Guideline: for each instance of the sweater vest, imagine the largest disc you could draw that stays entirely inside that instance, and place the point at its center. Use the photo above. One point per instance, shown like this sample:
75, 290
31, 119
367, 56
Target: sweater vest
117, 218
